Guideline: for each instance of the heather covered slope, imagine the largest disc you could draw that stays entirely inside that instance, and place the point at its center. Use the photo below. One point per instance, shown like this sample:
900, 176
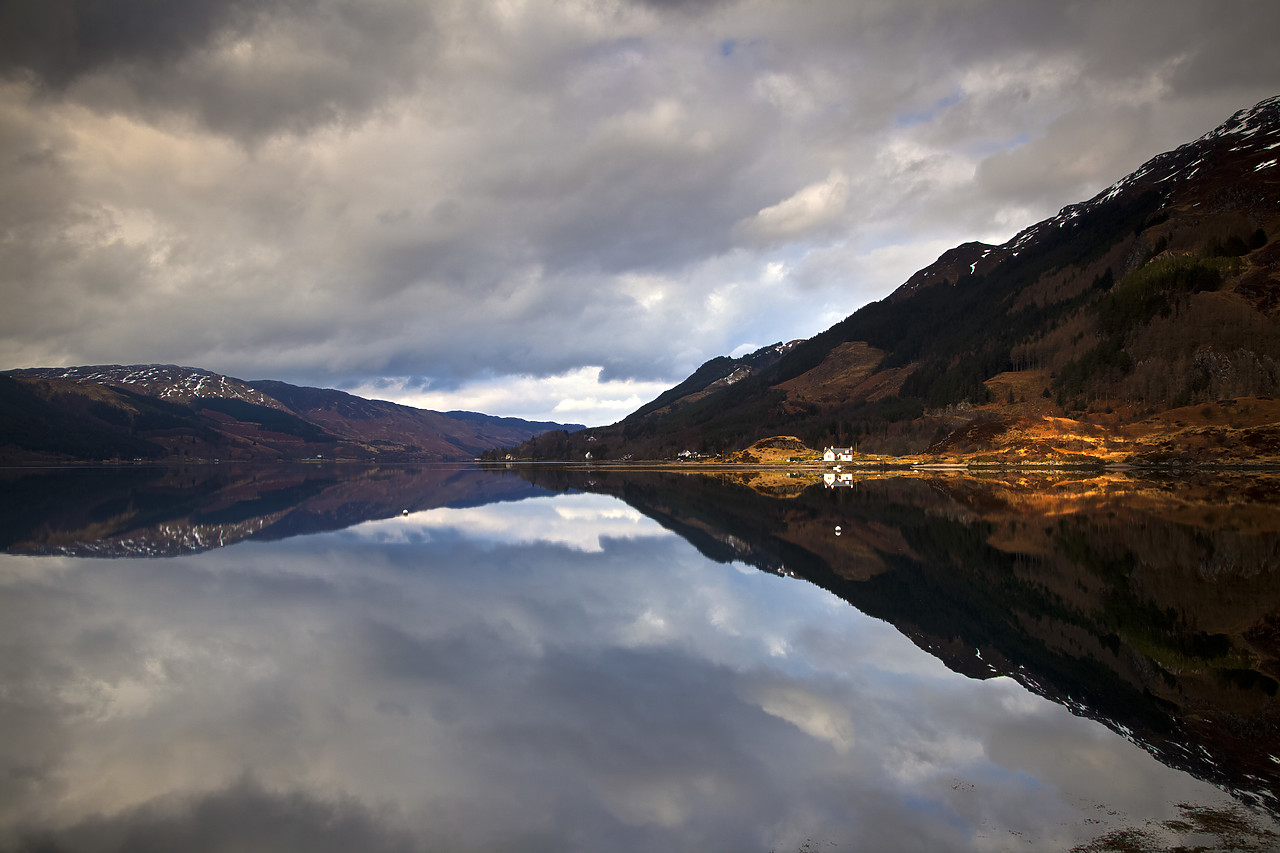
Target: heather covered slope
159, 412
1160, 293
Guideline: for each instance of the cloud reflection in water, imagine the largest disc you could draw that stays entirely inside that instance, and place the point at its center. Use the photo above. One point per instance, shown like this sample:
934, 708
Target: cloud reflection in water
575, 521
555, 674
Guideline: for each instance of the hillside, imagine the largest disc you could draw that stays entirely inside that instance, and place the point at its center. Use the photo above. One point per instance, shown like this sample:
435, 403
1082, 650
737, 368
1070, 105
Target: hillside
1149, 313
165, 412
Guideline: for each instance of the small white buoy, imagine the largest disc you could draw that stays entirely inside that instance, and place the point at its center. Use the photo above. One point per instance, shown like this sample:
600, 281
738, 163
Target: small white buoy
837, 530
404, 512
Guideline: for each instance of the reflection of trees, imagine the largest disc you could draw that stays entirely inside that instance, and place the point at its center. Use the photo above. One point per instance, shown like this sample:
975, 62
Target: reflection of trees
1152, 606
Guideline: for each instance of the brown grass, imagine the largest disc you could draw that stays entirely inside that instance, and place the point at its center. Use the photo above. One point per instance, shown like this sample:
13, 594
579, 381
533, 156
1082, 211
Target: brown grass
832, 380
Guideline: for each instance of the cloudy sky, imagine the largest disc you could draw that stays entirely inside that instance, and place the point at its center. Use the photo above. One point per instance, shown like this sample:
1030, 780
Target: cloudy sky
551, 209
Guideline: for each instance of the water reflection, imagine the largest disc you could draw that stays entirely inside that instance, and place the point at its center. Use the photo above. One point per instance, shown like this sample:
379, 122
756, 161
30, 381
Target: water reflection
582, 522
165, 511
565, 672
1150, 604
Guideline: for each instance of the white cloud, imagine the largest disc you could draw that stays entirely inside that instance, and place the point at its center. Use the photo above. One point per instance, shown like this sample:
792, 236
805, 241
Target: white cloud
812, 207
581, 522
578, 396
816, 716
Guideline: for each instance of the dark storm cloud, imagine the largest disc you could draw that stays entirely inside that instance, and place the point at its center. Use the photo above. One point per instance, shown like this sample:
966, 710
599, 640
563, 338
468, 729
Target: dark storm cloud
61, 40
1234, 47
330, 61
241, 68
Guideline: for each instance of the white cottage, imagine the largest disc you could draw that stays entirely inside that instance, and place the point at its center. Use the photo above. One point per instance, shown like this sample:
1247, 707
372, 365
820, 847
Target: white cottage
837, 454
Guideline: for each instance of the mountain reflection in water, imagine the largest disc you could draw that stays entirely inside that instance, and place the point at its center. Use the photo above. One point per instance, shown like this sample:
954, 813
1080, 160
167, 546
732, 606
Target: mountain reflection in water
530, 659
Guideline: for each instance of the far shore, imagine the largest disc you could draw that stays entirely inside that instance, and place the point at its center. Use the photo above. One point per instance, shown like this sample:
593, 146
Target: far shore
887, 465
865, 465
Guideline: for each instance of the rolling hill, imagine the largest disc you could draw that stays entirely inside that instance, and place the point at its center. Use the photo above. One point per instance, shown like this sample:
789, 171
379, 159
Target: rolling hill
166, 412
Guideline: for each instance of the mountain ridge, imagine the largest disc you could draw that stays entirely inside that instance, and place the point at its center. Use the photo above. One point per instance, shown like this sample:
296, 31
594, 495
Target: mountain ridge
170, 412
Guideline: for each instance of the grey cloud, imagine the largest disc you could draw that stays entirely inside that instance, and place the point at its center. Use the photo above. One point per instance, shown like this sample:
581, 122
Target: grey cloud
244, 815
1067, 161
239, 68
690, 6
329, 65
1234, 51
61, 40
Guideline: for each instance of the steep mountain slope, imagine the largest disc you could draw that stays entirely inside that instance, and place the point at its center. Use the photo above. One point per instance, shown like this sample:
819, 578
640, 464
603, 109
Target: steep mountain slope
170, 412
1158, 295
714, 375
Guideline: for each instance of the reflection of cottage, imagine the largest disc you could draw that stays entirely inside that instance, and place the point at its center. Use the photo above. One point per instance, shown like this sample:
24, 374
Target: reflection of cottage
838, 479
837, 454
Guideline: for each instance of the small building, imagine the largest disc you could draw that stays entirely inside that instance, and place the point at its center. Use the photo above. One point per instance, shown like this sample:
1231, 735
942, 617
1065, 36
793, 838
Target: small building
837, 454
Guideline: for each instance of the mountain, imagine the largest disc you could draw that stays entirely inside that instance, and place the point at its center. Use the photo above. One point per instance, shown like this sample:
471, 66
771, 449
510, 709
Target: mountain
1148, 315
158, 412
451, 435
714, 375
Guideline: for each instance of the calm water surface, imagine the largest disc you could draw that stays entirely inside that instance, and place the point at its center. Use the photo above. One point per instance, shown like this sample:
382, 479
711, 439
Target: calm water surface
440, 659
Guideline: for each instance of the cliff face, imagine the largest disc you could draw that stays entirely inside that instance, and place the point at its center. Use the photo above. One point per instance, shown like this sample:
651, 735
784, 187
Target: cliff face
1160, 294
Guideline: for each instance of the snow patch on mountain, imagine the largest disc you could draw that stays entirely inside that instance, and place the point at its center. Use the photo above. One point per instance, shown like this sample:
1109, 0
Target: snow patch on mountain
165, 381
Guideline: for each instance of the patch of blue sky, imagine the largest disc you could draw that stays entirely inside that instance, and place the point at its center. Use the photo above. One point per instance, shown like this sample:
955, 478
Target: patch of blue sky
938, 810
788, 255
992, 773
731, 48
987, 147
618, 52
919, 117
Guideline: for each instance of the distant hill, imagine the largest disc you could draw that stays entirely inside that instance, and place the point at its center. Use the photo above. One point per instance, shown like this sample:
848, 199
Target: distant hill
166, 412
1149, 314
